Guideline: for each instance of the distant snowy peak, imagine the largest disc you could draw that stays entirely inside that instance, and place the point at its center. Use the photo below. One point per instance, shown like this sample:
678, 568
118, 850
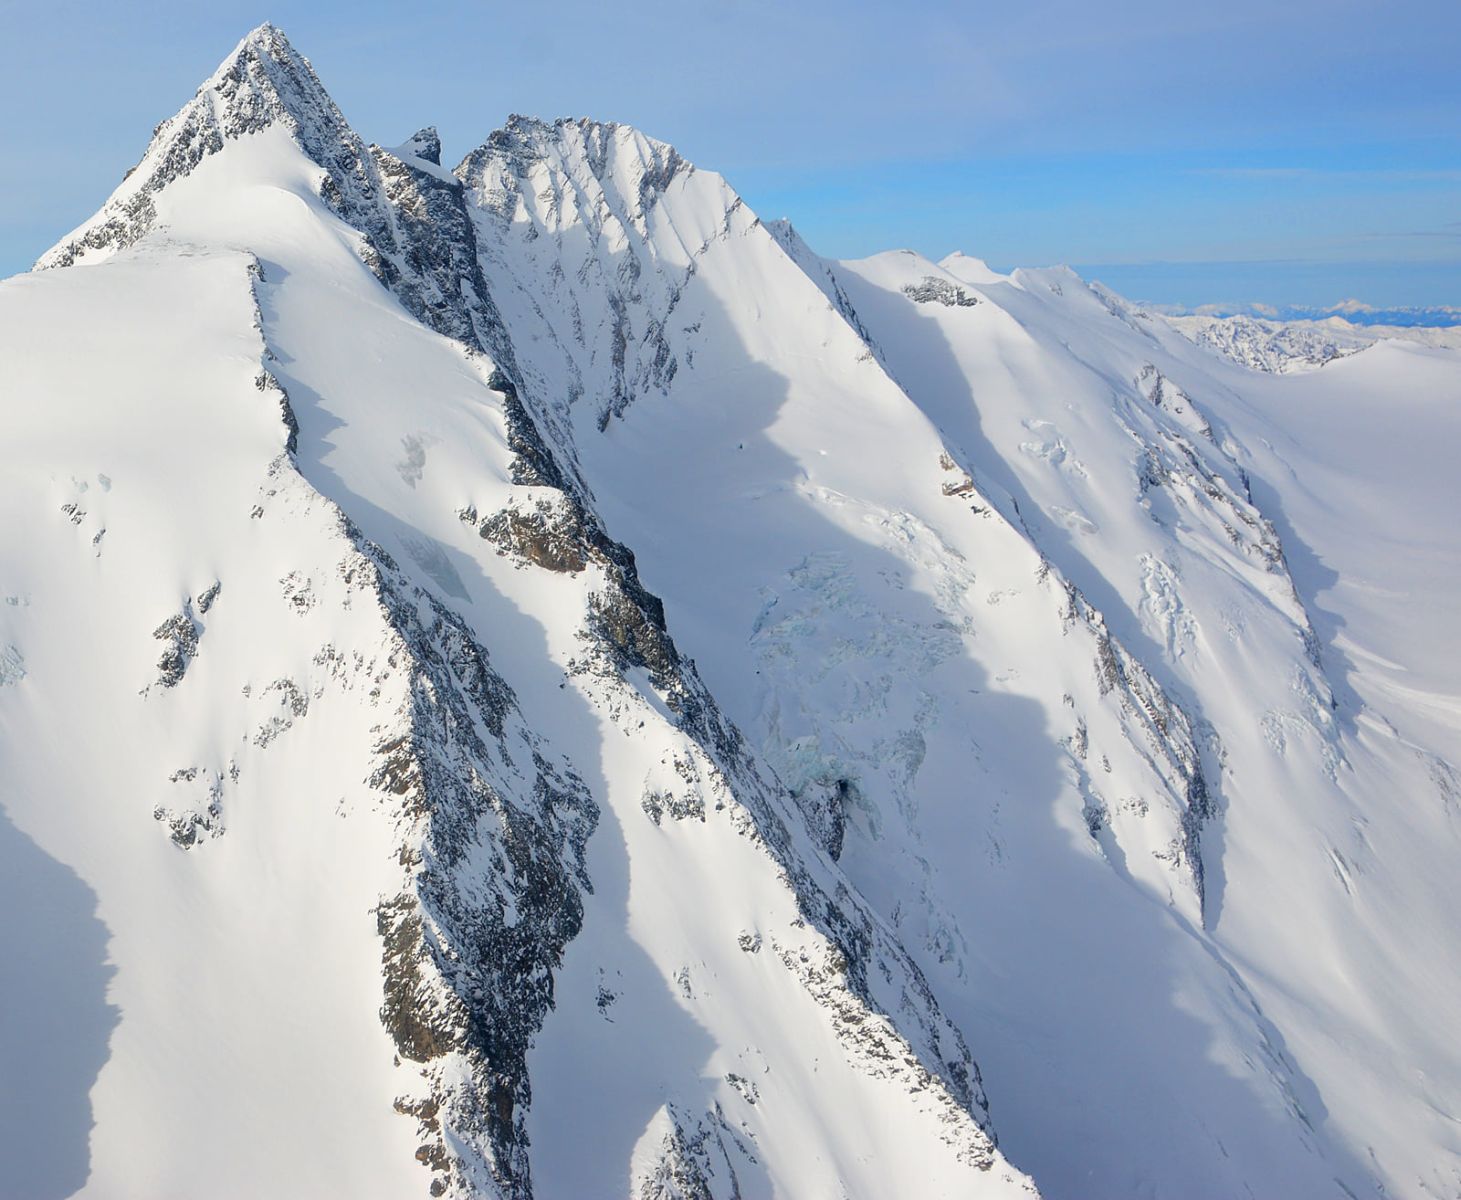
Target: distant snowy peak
1281, 347
1275, 347
1271, 345
1281, 342
1352, 312
263, 83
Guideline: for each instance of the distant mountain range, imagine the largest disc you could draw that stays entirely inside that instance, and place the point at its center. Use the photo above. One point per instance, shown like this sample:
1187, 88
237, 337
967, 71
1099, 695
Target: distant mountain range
1356, 312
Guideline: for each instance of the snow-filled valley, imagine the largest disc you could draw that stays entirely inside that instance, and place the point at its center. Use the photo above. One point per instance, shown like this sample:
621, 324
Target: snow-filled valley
527, 681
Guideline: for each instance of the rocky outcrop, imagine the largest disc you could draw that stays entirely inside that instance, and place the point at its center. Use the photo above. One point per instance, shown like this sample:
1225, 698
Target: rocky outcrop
545, 531
695, 1159
933, 290
1172, 737
179, 634
494, 888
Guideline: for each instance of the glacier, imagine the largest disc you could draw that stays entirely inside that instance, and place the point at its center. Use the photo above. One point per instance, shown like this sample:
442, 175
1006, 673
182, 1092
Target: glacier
528, 681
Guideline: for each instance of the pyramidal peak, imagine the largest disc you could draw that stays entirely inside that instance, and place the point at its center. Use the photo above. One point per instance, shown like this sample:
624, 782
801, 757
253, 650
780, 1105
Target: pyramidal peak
263, 83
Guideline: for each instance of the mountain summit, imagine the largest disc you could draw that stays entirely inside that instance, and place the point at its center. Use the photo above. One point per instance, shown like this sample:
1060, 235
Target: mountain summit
264, 83
525, 680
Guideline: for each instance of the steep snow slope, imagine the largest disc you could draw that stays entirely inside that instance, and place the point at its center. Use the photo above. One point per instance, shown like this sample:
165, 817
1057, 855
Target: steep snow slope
1362, 463
233, 1019
410, 758
1149, 474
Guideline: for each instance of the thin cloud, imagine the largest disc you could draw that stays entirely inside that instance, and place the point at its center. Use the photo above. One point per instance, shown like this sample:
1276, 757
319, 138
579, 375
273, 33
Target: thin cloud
1382, 174
1451, 232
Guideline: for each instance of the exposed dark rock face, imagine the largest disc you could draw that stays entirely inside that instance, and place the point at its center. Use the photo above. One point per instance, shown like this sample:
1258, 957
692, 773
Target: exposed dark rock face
546, 533
423, 247
934, 290
493, 886
533, 463
1173, 737
425, 145
180, 634
835, 801
695, 1160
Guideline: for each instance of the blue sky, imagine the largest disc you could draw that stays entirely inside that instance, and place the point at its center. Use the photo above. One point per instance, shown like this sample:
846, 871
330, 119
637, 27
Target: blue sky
1295, 153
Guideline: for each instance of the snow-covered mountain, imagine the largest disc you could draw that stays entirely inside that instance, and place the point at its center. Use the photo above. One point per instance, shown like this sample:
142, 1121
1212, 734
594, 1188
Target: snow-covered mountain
527, 681
1282, 346
1355, 313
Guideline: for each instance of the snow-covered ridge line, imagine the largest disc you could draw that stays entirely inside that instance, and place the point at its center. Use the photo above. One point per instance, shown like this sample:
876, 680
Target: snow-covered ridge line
465, 988
535, 246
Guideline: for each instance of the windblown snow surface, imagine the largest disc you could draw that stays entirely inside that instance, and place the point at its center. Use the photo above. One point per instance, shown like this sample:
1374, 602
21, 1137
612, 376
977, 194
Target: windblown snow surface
526, 681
